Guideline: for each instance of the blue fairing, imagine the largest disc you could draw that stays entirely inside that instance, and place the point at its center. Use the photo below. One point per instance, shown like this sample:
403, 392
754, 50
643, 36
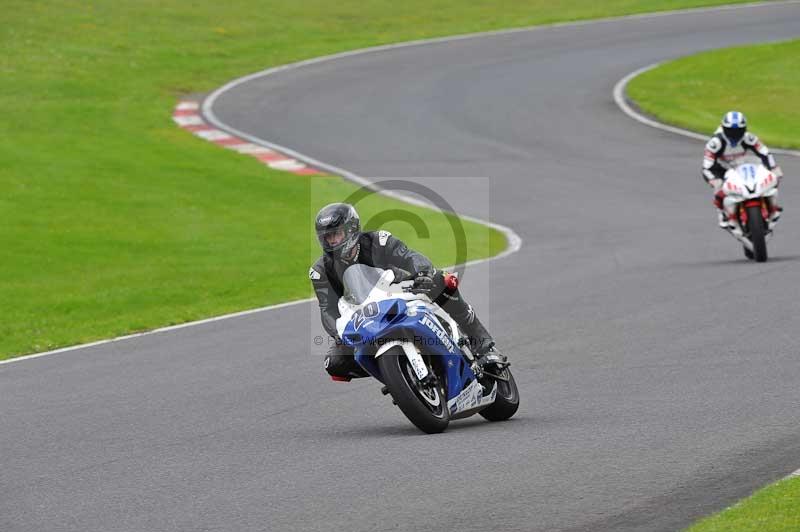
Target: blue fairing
377, 323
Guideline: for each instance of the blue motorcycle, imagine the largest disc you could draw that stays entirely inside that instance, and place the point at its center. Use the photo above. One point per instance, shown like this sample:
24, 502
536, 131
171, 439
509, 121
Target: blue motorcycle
418, 352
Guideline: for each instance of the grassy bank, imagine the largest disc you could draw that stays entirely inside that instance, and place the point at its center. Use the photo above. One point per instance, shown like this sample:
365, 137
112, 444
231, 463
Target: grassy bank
113, 219
775, 508
762, 81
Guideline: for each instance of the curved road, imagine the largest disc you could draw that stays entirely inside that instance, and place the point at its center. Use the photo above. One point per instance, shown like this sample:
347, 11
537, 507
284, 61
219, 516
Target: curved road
659, 371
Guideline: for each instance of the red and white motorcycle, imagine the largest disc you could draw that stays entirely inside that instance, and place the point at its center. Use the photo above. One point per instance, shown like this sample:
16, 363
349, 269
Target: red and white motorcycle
748, 188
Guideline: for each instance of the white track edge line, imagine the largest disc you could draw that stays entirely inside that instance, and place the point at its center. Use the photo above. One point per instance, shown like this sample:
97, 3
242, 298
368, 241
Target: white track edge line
621, 99
513, 241
159, 330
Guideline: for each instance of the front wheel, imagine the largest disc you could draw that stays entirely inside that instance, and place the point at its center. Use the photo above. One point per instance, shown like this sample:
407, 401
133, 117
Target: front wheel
424, 405
506, 402
755, 225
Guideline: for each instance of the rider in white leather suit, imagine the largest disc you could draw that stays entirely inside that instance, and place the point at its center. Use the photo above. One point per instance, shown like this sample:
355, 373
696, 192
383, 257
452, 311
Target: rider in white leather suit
724, 150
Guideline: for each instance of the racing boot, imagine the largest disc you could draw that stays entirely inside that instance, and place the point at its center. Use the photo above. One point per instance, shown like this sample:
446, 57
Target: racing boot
728, 222
736, 231
493, 357
481, 342
724, 221
774, 216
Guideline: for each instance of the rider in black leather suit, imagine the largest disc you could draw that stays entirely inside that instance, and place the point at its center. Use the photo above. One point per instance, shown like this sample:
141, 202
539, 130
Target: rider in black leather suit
343, 244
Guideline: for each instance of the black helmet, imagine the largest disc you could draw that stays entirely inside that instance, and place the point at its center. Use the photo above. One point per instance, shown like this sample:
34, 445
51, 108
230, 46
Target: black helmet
734, 126
338, 229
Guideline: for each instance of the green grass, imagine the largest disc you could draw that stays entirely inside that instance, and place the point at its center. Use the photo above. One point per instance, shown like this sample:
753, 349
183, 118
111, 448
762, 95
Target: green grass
775, 508
762, 81
112, 219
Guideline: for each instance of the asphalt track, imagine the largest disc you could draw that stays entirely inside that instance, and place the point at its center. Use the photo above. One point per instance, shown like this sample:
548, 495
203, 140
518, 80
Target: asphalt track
659, 370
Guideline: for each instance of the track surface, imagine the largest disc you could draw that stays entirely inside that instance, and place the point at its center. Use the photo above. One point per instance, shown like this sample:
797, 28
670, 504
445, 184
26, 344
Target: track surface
659, 370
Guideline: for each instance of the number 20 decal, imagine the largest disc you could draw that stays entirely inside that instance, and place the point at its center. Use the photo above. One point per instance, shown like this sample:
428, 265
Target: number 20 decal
371, 310
360, 318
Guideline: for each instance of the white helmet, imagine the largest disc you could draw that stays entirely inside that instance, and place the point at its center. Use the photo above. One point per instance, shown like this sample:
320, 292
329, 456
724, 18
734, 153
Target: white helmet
734, 126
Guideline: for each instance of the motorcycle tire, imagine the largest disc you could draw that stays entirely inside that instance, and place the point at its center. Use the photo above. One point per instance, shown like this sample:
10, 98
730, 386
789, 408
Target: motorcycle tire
506, 402
755, 225
424, 406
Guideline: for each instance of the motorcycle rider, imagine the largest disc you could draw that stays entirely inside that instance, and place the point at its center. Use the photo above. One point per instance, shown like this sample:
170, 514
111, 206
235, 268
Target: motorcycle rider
343, 244
726, 149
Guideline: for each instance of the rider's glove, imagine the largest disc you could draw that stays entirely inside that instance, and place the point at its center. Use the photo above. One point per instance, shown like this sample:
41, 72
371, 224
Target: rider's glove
716, 184
423, 282
777, 171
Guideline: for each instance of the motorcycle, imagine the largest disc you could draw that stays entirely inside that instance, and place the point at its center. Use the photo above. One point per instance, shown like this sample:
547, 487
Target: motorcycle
747, 188
413, 347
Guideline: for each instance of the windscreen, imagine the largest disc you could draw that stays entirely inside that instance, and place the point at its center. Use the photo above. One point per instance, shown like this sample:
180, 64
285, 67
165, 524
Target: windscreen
359, 280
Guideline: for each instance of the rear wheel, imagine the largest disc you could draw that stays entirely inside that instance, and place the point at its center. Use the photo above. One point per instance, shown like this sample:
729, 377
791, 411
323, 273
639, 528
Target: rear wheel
755, 226
507, 401
424, 405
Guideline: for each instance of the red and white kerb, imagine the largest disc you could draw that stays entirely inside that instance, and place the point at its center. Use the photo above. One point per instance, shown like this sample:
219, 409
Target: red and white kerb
187, 116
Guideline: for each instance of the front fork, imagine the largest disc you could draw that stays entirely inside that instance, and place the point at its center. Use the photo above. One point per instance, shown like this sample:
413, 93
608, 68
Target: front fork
741, 215
411, 352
